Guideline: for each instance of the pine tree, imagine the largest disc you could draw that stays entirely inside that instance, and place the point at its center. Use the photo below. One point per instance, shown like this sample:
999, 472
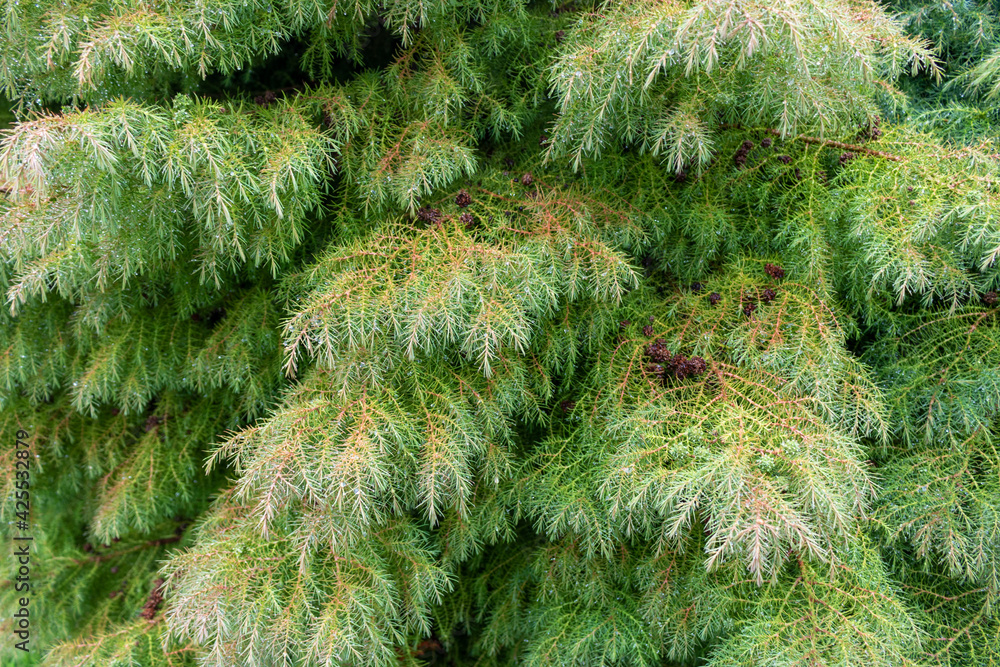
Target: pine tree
497, 332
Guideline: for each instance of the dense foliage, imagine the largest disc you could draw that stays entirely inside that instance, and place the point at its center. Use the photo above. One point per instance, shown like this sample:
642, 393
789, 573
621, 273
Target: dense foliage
497, 332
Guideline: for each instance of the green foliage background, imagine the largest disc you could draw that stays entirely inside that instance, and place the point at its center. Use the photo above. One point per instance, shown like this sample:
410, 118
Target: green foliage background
340, 331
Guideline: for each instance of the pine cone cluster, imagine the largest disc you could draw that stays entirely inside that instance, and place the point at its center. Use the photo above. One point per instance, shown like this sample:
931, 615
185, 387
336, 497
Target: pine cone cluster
785, 159
774, 271
658, 352
691, 367
741, 154
527, 179
766, 142
624, 324
765, 296
265, 100
666, 365
468, 220
567, 405
429, 215
846, 157
216, 315
647, 330
714, 298
153, 421
429, 649
696, 287
462, 199
871, 131
153, 601
990, 298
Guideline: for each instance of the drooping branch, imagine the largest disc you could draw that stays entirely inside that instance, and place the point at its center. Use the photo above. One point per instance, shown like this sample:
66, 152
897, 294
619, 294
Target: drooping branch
830, 143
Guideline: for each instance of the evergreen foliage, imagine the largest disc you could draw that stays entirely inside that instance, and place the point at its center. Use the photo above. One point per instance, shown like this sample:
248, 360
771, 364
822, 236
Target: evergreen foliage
509, 332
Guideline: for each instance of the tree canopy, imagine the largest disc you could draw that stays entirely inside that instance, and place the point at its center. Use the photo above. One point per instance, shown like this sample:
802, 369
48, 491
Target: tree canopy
502, 332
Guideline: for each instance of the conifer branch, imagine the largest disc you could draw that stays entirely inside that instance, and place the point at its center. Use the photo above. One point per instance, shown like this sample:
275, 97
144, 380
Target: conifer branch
830, 143
149, 544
